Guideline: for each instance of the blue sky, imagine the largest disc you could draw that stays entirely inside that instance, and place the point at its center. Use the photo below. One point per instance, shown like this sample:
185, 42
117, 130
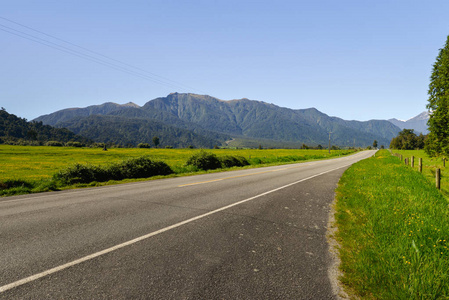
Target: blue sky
357, 60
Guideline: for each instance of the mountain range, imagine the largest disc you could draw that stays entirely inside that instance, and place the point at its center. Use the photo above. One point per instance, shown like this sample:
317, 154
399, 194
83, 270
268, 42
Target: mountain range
181, 120
418, 123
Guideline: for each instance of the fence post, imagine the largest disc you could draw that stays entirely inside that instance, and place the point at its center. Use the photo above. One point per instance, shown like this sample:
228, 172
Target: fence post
420, 165
401, 157
412, 161
437, 178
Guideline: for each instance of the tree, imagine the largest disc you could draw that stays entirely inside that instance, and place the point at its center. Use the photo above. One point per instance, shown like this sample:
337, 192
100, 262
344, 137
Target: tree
407, 140
437, 142
156, 141
375, 144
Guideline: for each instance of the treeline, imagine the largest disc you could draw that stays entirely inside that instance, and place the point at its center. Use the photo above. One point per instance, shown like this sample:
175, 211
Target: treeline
408, 140
18, 131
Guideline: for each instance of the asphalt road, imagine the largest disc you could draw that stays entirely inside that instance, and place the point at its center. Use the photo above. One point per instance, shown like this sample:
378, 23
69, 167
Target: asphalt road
247, 234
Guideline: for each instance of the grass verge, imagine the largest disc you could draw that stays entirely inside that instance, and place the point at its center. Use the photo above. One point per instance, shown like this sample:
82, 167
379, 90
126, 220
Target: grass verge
393, 230
430, 164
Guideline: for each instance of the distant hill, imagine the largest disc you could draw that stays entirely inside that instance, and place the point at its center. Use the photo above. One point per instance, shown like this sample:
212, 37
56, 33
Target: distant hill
418, 123
217, 121
17, 130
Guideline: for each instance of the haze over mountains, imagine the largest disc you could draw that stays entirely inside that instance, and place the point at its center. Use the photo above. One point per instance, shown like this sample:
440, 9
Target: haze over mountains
181, 120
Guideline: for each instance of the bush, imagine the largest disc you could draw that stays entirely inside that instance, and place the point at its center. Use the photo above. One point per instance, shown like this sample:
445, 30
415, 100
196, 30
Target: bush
74, 144
13, 183
204, 161
141, 167
54, 144
79, 173
143, 145
233, 161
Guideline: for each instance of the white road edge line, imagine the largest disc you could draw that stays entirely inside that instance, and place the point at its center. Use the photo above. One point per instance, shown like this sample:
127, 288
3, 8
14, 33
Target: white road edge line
141, 238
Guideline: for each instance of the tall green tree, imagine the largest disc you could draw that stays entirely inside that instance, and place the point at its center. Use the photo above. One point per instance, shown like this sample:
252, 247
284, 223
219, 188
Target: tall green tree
437, 142
156, 141
407, 140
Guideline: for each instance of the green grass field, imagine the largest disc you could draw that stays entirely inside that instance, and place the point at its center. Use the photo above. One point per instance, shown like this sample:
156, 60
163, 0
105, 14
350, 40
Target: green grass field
429, 167
393, 230
33, 164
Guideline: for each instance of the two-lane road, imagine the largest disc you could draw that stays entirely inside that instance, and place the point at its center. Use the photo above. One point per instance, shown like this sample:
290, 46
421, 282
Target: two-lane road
247, 234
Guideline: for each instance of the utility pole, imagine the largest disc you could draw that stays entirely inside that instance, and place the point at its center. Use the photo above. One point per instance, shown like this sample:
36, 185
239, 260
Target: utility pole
330, 141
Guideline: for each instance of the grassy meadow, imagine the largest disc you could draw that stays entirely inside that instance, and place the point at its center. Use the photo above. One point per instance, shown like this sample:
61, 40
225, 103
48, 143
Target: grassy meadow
430, 164
34, 165
393, 231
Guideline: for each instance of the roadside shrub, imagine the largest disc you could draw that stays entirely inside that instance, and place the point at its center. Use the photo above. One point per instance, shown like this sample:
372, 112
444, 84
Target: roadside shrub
141, 167
143, 145
79, 173
204, 161
233, 161
74, 144
256, 161
13, 183
54, 144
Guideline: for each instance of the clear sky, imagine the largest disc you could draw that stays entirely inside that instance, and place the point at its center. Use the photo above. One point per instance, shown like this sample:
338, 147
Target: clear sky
355, 59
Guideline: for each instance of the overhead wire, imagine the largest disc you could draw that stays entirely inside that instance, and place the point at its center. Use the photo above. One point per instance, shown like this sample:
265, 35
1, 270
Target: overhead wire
140, 73
81, 55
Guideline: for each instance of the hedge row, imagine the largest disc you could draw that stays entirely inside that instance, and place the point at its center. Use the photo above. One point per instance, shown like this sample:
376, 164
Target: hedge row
141, 167
208, 161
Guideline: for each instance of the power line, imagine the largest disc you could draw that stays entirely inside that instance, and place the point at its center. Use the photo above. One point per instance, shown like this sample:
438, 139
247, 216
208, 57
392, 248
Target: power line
141, 73
81, 55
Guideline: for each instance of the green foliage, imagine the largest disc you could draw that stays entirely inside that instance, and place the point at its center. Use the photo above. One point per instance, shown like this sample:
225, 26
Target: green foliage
141, 167
229, 161
74, 144
54, 144
143, 145
80, 173
438, 105
393, 231
18, 131
407, 140
156, 141
130, 132
204, 160
13, 183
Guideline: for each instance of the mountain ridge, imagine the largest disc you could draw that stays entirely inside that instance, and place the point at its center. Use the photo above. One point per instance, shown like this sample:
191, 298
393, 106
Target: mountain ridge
417, 123
222, 120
